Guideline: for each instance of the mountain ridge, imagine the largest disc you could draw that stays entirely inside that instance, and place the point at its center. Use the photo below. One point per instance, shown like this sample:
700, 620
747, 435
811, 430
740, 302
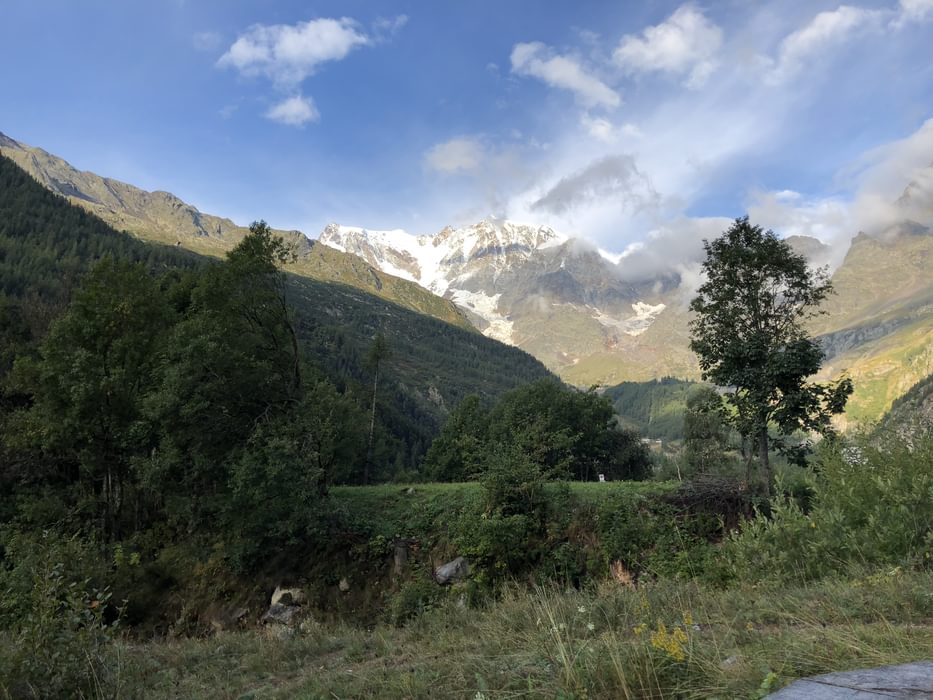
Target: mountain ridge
563, 300
162, 217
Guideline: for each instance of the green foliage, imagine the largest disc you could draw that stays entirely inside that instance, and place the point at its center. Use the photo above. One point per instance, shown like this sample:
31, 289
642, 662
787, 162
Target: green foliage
94, 367
654, 409
565, 432
276, 495
47, 245
457, 453
704, 431
413, 599
869, 507
648, 534
182, 401
749, 336
60, 625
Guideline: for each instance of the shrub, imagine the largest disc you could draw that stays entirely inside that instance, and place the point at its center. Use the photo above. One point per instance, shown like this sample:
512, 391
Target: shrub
57, 619
869, 507
412, 599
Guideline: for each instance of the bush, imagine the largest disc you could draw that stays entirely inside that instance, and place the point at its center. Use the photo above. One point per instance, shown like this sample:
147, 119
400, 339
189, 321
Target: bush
413, 598
869, 507
58, 621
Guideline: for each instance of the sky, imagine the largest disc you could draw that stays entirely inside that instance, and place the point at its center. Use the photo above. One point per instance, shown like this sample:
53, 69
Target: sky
639, 126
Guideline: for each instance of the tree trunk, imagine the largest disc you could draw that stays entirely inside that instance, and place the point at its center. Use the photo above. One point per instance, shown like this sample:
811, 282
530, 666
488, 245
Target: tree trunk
372, 427
763, 457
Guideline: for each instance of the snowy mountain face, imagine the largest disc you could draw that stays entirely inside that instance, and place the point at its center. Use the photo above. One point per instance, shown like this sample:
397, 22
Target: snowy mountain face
520, 284
435, 262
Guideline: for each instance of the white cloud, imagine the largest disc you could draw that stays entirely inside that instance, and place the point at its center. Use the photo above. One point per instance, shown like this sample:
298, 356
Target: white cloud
462, 154
674, 249
616, 178
891, 184
825, 31
912, 11
686, 43
823, 218
386, 28
565, 72
287, 54
294, 111
604, 130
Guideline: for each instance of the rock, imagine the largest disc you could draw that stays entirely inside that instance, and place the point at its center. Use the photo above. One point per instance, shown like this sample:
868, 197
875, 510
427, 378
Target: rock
730, 662
344, 585
905, 681
280, 614
402, 547
455, 570
288, 596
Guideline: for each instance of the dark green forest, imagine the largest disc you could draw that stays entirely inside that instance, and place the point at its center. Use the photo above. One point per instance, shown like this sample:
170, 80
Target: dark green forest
47, 245
655, 409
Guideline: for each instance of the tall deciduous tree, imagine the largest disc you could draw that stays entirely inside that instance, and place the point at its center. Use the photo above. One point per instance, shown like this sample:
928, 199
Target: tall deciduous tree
94, 366
748, 331
379, 351
704, 431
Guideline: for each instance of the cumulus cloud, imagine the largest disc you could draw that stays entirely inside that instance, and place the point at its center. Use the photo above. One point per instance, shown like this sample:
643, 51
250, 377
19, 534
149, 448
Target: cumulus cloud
463, 154
674, 250
827, 30
686, 44
565, 72
910, 11
289, 53
614, 178
294, 111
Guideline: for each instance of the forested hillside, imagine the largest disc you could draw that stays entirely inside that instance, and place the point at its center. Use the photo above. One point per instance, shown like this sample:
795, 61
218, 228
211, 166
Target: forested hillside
655, 409
47, 245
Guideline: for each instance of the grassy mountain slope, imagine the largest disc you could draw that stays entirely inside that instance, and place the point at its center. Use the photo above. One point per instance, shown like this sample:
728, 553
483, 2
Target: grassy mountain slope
878, 327
46, 244
161, 217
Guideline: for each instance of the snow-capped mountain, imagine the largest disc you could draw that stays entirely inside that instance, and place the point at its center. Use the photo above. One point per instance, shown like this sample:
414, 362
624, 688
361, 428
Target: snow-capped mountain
435, 262
526, 285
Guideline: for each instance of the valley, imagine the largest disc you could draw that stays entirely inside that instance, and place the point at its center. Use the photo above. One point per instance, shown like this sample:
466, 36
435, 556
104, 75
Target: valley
558, 298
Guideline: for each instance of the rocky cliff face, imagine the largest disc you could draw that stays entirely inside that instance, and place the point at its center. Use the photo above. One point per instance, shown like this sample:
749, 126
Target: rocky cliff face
525, 285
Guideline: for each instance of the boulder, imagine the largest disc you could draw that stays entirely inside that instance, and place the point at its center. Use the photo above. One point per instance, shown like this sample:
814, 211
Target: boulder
280, 614
914, 680
288, 596
344, 585
452, 571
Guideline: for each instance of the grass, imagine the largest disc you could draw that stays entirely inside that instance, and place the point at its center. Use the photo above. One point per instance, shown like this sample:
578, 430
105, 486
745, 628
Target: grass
662, 640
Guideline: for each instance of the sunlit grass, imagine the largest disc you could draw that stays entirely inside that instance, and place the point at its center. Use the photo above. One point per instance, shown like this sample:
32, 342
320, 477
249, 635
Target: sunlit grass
660, 640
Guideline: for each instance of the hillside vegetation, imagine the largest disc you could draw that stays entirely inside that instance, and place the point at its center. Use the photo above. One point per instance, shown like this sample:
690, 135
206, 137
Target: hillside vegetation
163, 218
48, 245
655, 409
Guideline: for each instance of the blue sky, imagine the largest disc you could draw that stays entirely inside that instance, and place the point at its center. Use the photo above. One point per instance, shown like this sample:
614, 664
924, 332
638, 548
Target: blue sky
628, 123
